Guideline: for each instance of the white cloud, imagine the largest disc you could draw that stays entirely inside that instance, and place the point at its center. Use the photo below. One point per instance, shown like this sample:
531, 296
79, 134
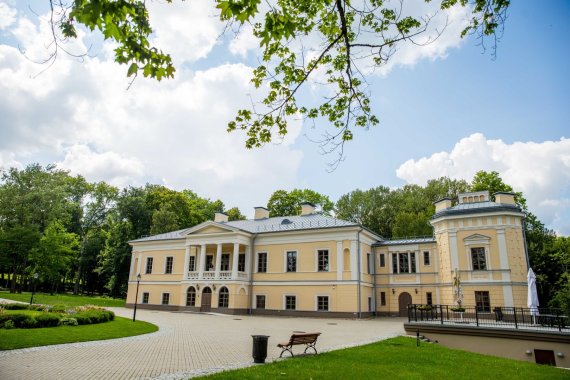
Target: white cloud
244, 42
7, 15
540, 170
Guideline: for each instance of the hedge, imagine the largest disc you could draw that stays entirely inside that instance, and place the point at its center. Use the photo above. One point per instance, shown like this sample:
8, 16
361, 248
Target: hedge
77, 316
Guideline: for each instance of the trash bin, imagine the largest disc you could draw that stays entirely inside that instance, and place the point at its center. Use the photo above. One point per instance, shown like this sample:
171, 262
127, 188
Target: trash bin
259, 348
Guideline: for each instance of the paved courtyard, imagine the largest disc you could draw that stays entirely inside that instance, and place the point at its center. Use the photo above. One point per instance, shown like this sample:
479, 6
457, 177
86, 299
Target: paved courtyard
187, 344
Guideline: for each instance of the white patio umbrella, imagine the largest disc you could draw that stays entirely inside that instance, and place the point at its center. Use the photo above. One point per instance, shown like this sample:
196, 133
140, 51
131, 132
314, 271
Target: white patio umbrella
532, 299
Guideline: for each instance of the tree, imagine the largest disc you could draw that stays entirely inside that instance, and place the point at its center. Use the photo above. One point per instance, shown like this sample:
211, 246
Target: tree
163, 220
492, 182
16, 244
283, 203
235, 214
298, 39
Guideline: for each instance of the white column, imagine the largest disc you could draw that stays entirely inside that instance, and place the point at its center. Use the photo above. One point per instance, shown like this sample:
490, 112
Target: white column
339, 260
353, 260
235, 259
186, 261
218, 259
248, 258
202, 261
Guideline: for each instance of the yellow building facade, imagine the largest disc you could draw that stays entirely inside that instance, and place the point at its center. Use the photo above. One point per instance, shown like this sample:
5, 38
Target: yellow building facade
317, 265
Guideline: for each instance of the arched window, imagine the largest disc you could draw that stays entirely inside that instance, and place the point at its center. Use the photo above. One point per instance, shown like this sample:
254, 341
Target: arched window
224, 297
191, 297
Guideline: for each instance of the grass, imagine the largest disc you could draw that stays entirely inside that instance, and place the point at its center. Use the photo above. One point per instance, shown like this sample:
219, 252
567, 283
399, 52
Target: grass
118, 328
31, 313
63, 299
397, 358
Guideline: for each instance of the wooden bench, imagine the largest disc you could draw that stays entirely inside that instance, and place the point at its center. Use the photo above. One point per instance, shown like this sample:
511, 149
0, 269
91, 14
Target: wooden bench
308, 339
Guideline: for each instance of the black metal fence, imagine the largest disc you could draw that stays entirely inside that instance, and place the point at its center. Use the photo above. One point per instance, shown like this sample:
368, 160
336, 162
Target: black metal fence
501, 317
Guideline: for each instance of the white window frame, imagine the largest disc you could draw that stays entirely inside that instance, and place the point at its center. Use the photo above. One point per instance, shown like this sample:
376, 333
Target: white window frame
478, 241
148, 299
285, 302
166, 263
317, 302
255, 298
146, 262
296, 261
380, 261
317, 260
429, 257
257, 261
162, 298
409, 272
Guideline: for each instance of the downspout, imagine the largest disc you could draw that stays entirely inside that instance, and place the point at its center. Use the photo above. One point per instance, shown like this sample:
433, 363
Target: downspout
251, 263
374, 311
359, 274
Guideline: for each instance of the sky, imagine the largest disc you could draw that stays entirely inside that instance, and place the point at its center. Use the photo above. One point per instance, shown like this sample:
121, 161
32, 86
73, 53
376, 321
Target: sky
446, 109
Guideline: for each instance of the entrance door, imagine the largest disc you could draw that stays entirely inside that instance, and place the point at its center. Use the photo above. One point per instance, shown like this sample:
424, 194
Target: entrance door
404, 300
545, 357
206, 300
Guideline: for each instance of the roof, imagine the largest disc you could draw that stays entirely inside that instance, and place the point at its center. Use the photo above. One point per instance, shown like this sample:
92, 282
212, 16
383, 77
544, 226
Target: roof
266, 225
477, 207
415, 240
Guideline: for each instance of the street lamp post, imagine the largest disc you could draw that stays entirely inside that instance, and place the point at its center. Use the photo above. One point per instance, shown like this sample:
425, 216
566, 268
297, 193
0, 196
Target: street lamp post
136, 296
36, 275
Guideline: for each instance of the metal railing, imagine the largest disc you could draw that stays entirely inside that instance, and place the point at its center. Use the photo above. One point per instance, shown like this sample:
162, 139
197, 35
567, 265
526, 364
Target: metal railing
498, 317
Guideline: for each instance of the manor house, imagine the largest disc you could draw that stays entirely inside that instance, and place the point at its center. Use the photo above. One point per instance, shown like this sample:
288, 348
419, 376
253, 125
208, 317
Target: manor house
316, 265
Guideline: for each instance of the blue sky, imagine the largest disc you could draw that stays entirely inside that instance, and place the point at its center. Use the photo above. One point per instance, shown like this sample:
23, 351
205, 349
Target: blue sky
449, 113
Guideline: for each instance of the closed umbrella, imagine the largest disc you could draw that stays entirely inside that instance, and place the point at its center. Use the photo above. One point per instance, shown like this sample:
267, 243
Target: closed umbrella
532, 299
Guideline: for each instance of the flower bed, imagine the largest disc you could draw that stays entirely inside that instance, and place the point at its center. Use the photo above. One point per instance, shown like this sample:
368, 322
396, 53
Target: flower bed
52, 316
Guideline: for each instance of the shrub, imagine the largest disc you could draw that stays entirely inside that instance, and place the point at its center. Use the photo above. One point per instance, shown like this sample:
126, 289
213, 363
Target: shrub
29, 323
16, 319
8, 325
94, 316
69, 321
58, 308
16, 306
47, 320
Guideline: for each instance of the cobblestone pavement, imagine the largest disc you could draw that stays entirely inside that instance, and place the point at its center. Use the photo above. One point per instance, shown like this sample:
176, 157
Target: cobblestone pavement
187, 344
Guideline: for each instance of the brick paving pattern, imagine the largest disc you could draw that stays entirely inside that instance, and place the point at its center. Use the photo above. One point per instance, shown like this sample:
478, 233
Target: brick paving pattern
187, 344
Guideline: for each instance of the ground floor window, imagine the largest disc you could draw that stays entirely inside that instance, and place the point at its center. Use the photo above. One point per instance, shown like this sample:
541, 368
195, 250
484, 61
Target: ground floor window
191, 297
483, 302
224, 297
322, 303
290, 302
165, 298
382, 298
429, 298
260, 302
145, 297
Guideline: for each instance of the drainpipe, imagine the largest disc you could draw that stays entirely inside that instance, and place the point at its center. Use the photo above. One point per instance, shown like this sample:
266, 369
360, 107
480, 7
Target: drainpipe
251, 263
374, 311
359, 274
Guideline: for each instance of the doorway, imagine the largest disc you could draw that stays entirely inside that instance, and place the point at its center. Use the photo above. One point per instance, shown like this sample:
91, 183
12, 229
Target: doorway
404, 299
206, 303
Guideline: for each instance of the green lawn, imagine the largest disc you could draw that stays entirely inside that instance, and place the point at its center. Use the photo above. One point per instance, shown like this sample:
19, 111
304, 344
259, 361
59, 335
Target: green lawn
397, 358
63, 299
119, 328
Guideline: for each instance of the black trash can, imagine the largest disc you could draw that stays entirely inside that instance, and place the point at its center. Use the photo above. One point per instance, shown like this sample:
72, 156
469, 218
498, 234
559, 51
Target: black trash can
259, 348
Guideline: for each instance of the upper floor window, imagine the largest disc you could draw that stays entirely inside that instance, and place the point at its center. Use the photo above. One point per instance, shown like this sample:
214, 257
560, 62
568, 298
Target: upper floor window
426, 258
368, 263
241, 263
209, 263
262, 262
323, 260
291, 261
404, 262
148, 265
382, 259
192, 263
478, 258
169, 262
225, 264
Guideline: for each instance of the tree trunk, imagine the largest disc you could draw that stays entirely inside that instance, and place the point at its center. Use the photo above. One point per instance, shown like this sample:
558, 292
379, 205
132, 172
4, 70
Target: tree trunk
80, 266
13, 284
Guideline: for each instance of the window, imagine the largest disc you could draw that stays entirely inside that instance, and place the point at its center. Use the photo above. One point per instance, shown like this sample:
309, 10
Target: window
291, 261
290, 302
368, 264
483, 302
224, 297
241, 263
262, 262
322, 303
260, 302
169, 261
191, 296
225, 264
382, 298
323, 260
145, 297
404, 262
429, 298
209, 263
478, 258
148, 265
165, 298
192, 264
426, 258
382, 260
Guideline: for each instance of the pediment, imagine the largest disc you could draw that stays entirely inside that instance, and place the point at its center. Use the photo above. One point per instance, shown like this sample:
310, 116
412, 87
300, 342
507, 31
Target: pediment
476, 237
210, 228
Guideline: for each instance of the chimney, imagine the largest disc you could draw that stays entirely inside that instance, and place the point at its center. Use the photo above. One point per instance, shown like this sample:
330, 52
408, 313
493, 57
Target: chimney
220, 217
442, 204
504, 197
307, 208
261, 213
